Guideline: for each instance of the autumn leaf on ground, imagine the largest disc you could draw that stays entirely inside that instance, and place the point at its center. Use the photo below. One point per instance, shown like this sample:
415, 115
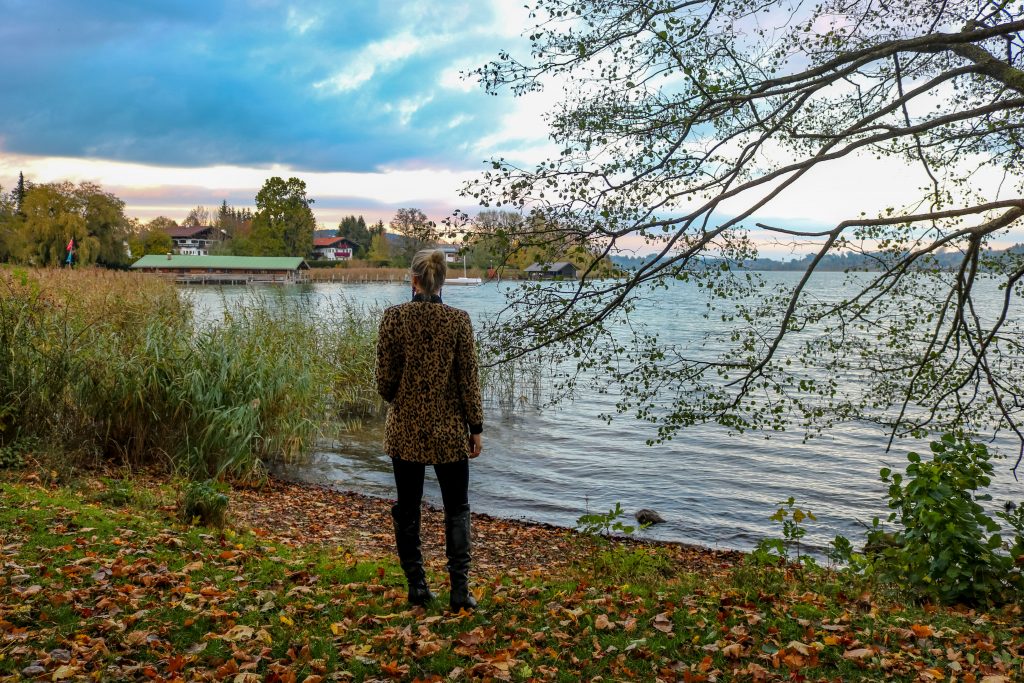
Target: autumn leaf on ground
922, 631
662, 622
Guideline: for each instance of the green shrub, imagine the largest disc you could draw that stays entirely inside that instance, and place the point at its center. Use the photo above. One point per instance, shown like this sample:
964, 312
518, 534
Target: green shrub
604, 523
632, 565
10, 457
204, 502
946, 546
124, 492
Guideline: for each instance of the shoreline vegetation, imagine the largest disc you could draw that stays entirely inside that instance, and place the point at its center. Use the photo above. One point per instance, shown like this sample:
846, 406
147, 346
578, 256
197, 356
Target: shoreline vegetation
118, 369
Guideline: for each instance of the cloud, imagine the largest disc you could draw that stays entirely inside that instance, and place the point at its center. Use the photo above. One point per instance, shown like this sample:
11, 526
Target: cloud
376, 57
301, 23
321, 86
149, 191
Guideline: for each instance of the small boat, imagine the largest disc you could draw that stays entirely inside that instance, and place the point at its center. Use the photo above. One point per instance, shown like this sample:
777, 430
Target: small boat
466, 281
469, 281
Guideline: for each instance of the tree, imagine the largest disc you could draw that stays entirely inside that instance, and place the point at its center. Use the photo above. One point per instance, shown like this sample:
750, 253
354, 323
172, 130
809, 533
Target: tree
380, 249
153, 238
685, 121
105, 222
197, 217
283, 224
416, 230
235, 222
18, 193
53, 218
355, 230
162, 223
54, 214
487, 238
7, 225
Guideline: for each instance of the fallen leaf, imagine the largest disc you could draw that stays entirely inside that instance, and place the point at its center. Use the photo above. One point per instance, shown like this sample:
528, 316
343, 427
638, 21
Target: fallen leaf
922, 630
602, 623
733, 650
239, 632
663, 623
859, 653
64, 671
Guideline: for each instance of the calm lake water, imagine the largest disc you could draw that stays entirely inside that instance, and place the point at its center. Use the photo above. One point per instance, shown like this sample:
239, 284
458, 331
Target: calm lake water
713, 488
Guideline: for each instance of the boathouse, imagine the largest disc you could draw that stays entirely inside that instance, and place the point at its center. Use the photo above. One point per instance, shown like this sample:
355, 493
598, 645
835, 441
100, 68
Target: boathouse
551, 271
222, 270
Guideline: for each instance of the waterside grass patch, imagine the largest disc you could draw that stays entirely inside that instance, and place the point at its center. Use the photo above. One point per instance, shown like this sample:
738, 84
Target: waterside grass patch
102, 589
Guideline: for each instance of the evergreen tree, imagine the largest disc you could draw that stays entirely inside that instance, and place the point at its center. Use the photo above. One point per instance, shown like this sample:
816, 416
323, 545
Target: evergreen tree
19, 193
7, 216
355, 230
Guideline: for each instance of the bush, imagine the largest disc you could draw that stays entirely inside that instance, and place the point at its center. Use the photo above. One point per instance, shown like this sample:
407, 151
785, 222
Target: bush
10, 457
604, 523
205, 503
947, 548
624, 564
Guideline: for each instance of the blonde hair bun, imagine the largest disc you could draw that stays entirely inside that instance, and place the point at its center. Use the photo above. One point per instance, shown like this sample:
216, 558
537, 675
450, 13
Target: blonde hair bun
430, 269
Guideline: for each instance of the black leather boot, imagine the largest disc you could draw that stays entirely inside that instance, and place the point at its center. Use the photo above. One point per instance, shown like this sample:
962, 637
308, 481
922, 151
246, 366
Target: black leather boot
457, 547
410, 556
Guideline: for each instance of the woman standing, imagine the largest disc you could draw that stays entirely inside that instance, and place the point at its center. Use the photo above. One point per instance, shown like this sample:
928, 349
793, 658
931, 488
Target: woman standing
427, 371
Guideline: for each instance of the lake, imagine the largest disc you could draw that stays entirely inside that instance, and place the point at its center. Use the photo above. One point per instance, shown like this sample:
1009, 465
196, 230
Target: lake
713, 488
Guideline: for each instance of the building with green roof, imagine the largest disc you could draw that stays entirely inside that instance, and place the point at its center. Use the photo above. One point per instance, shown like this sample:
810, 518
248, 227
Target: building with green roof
224, 269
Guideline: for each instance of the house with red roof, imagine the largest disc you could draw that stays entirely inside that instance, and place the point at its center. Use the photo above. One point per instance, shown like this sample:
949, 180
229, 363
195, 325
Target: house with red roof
195, 240
333, 248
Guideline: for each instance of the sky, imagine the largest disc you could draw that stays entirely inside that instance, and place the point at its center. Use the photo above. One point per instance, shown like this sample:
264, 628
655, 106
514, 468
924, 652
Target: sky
173, 104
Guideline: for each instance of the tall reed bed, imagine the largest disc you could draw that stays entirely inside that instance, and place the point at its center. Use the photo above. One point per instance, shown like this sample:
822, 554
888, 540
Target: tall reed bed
357, 274
116, 365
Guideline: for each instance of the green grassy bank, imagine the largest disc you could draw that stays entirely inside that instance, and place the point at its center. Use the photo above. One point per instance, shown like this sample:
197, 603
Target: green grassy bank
102, 581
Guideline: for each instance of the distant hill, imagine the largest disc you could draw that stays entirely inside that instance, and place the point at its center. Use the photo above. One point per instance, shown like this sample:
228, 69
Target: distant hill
831, 262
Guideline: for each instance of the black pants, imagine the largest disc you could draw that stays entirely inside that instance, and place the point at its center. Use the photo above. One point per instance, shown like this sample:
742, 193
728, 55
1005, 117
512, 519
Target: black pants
453, 477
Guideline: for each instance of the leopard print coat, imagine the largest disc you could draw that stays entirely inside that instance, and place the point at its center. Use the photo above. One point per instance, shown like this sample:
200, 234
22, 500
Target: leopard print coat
427, 371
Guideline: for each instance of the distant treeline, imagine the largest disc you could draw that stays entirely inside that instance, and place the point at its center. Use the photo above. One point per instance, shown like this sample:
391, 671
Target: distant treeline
848, 261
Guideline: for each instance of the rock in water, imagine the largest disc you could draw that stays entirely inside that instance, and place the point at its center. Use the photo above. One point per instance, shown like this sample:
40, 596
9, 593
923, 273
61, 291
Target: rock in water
646, 516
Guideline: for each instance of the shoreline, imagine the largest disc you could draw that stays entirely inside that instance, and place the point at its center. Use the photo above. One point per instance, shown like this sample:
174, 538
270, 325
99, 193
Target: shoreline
305, 512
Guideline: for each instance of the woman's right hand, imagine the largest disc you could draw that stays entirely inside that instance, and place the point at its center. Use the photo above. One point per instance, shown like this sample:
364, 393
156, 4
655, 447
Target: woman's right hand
475, 445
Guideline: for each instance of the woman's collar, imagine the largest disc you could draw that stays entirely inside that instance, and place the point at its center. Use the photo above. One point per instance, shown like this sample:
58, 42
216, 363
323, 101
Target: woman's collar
432, 298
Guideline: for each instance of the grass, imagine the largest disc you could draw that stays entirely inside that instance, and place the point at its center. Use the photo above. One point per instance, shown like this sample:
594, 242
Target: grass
114, 367
113, 587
